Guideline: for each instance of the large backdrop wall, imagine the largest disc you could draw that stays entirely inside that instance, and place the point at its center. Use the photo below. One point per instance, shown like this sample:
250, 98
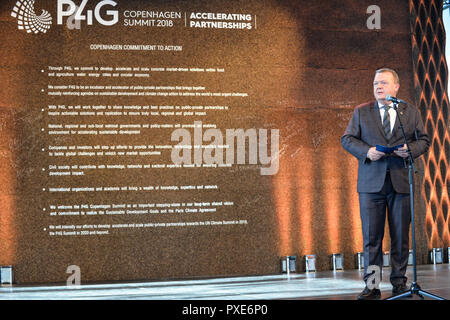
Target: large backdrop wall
179, 139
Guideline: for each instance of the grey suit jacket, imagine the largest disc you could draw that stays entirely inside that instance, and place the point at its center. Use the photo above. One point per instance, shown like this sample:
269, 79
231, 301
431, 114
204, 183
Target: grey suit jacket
365, 131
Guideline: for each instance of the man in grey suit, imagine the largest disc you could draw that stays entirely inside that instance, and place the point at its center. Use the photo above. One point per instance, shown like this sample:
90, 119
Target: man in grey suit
383, 179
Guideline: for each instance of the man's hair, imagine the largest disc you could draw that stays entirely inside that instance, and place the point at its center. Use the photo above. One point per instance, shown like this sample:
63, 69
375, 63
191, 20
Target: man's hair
396, 78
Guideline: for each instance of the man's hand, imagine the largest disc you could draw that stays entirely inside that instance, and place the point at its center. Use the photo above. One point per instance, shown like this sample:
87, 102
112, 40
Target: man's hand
402, 152
374, 155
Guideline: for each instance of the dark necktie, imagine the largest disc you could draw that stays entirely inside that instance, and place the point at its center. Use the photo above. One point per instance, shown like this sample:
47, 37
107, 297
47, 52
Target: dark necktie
387, 122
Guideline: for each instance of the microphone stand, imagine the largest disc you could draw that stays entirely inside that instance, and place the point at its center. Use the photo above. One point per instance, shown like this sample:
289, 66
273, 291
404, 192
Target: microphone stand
415, 288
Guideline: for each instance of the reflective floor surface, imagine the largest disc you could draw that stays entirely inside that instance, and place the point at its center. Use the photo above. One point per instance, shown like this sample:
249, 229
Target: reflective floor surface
328, 285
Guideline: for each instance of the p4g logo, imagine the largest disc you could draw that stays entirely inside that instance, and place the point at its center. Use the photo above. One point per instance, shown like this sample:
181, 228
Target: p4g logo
31, 22
68, 8
28, 20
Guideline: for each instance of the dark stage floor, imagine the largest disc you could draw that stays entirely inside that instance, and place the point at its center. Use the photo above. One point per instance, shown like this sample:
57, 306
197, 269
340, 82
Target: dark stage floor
326, 285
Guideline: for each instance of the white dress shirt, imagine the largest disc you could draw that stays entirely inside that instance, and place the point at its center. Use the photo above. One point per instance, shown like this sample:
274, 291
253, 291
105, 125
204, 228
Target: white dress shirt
392, 114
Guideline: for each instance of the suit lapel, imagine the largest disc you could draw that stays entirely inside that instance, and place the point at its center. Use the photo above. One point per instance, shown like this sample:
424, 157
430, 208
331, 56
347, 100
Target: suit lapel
401, 112
376, 116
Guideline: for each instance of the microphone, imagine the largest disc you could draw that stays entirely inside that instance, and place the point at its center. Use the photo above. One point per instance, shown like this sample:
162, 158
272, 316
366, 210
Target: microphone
394, 99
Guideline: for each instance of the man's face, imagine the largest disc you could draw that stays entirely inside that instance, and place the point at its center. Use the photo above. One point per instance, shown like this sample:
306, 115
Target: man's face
383, 85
